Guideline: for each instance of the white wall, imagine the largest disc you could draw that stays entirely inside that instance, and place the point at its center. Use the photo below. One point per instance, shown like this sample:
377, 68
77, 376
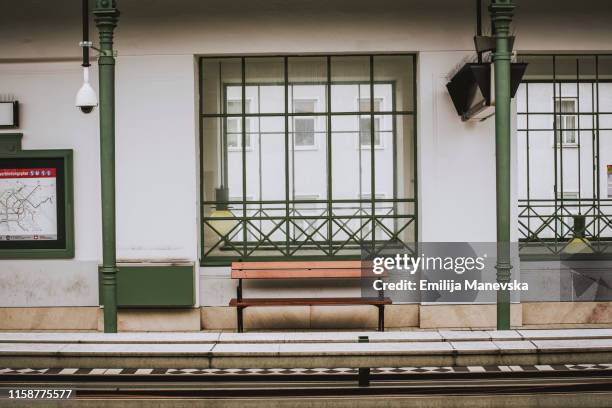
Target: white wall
157, 204
156, 170
456, 162
49, 120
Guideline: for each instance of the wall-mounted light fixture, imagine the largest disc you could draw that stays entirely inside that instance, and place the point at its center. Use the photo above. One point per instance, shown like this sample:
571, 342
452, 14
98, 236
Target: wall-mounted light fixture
9, 113
471, 84
472, 89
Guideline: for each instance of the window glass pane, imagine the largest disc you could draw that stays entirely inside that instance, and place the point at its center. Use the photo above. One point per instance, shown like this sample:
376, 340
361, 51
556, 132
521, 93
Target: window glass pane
308, 81
265, 164
394, 82
304, 127
234, 106
609, 180
304, 105
211, 156
351, 163
365, 131
350, 82
539, 67
365, 104
566, 125
605, 150
214, 173
566, 68
405, 161
604, 100
265, 84
233, 141
385, 154
308, 156
304, 132
217, 76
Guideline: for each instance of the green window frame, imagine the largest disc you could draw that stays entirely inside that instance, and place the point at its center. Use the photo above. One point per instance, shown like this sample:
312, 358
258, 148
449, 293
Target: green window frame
564, 130
260, 224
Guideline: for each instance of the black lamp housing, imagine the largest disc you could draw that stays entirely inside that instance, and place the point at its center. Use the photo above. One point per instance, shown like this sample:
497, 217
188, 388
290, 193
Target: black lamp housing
471, 86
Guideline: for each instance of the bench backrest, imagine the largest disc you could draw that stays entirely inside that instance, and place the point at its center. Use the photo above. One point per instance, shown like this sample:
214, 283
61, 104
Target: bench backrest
300, 270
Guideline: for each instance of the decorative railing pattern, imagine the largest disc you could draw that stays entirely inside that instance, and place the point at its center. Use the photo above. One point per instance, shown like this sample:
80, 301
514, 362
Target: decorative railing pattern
546, 227
309, 228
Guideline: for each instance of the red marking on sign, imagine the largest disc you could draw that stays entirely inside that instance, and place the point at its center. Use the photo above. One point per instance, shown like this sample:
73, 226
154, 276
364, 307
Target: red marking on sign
28, 173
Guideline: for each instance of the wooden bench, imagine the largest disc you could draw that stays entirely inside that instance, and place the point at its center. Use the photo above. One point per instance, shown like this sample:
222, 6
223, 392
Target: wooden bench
302, 270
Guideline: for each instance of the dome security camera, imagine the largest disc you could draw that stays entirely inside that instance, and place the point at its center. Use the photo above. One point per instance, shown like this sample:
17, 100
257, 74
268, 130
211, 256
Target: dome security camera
86, 99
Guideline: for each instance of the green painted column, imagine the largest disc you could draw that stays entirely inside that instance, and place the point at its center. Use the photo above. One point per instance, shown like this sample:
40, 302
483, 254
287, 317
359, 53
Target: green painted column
106, 16
501, 17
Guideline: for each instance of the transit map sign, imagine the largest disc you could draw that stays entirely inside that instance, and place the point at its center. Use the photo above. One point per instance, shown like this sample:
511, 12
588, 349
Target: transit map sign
28, 204
36, 204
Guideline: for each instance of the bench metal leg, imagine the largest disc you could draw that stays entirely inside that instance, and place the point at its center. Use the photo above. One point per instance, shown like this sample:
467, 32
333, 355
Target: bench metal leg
239, 316
381, 318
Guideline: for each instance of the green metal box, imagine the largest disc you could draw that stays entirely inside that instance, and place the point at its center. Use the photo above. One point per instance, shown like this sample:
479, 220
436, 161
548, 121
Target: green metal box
152, 285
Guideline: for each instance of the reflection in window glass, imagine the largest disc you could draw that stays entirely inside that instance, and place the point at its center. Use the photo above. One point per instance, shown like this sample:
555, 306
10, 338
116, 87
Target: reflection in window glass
234, 125
304, 127
365, 131
565, 122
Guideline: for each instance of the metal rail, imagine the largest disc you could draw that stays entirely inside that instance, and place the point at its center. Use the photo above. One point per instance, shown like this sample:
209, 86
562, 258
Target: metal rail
324, 386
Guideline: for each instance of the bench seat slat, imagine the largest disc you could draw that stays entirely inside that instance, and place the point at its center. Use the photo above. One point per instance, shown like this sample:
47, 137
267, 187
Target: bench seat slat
299, 265
310, 301
297, 273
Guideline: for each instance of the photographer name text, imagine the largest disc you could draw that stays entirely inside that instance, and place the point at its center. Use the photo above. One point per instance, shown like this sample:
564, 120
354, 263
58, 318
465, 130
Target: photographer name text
448, 285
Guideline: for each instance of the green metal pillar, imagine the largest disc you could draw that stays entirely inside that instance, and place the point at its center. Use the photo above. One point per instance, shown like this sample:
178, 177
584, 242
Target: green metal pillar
501, 16
106, 16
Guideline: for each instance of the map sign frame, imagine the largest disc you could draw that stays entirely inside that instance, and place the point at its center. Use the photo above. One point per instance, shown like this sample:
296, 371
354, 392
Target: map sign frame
36, 213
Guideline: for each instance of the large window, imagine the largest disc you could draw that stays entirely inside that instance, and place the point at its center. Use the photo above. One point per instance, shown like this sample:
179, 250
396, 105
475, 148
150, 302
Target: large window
564, 128
292, 149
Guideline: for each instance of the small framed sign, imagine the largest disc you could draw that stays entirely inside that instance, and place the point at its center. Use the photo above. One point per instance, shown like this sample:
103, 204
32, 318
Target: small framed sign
36, 204
9, 115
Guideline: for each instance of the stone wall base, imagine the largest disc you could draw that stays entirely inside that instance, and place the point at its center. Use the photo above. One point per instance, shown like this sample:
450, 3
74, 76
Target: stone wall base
311, 317
409, 316
465, 316
155, 320
565, 313
49, 318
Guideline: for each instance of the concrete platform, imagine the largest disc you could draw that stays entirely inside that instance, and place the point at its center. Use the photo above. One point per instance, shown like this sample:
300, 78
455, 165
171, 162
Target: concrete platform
301, 337
307, 350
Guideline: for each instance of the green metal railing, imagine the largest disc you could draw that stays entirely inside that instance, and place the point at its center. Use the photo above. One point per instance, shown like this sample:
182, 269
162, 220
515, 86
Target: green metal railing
547, 227
309, 232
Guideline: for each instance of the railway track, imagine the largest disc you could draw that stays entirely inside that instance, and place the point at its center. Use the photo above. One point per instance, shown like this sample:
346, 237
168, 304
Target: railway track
570, 386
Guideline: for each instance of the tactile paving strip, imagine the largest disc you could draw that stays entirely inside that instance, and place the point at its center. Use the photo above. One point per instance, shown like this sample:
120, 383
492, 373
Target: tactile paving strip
299, 371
